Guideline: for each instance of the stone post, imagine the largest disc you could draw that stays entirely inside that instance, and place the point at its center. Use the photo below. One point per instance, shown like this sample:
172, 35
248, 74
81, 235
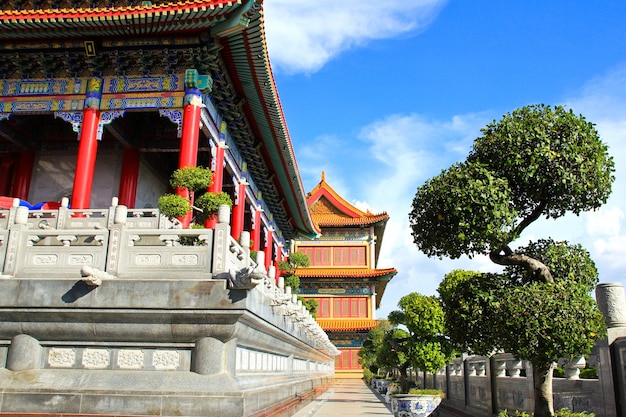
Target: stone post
612, 370
25, 353
612, 302
221, 241
212, 356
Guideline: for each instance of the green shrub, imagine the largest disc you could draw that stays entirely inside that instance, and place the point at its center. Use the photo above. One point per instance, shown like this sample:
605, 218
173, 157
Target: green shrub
563, 412
368, 375
589, 373
173, 205
427, 392
293, 281
192, 178
209, 202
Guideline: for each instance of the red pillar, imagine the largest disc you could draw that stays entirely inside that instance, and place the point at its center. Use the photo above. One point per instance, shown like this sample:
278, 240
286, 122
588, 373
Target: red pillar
88, 146
239, 209
217, 166
279, 257
269, 243
23, 174
129, 176
6, 167
255, 234
188, 154
86, 160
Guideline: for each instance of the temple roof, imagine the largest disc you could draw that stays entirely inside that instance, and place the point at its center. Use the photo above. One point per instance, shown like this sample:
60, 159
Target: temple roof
380, 277
224, 39
329, 209
343, 324
21, 20
348, 273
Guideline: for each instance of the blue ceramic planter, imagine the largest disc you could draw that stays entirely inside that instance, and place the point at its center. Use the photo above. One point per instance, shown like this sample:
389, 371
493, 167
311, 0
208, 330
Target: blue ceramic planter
414, 405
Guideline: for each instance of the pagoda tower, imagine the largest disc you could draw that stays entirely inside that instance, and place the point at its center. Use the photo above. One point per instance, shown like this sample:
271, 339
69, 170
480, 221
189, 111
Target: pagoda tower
343, 276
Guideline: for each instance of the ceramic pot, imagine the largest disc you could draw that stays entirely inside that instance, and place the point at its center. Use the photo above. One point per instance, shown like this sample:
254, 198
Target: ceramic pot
415, 405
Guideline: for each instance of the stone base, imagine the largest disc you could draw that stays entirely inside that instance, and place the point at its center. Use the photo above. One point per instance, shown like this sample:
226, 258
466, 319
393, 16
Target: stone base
148, 393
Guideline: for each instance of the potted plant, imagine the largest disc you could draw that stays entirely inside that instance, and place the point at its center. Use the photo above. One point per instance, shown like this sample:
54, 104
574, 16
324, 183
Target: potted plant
192, 180
424, 346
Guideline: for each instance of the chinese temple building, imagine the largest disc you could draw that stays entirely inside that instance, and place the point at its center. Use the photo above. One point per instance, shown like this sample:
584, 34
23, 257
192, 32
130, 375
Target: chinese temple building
343, 276
103, 309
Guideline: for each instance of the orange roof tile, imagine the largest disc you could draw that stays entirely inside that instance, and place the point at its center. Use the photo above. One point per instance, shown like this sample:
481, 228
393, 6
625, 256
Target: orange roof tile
328, 208
347, 324
344, 272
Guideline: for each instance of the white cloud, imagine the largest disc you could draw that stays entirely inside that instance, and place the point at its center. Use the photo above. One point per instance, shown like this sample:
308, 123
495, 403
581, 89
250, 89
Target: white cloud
607, 222
409, 149
304, 36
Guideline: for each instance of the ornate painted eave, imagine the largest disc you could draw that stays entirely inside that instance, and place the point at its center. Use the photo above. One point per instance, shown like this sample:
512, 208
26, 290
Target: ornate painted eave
380, 277
348, 273
144, 17
246, 56
224, 39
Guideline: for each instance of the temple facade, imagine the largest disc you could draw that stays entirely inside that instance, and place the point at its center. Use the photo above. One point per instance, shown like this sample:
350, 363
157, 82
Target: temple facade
103, 309
343, 276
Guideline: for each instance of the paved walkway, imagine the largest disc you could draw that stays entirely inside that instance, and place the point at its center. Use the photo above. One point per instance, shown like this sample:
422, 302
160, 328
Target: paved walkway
354, 398
347, 398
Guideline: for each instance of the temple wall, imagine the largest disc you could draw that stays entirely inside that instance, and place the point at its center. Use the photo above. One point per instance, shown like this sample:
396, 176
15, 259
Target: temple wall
53, 178
150, 186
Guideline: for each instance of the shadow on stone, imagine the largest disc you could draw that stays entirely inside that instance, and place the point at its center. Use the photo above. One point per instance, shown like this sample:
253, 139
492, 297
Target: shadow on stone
80, 289
236, 295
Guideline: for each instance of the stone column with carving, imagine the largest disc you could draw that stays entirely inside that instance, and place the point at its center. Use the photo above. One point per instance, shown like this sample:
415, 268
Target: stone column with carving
612, 367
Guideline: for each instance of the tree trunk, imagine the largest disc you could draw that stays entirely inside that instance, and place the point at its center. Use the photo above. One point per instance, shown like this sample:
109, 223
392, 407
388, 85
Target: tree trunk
542, 381
404, 380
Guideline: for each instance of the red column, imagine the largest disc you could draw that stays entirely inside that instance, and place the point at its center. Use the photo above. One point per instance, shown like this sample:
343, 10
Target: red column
255, 234
269, 243
217, 166
23, 174
129, 176
279, 257
239, 209
188, 154
86, 160
88, 146
6, 166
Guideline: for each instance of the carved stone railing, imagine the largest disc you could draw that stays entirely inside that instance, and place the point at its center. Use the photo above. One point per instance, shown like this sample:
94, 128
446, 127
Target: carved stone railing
482, 386
91, 297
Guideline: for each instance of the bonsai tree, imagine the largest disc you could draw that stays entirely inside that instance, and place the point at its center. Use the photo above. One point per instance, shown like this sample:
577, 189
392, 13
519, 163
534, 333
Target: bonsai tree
425, 346
188, 181
368, 353
536, 162
288, 271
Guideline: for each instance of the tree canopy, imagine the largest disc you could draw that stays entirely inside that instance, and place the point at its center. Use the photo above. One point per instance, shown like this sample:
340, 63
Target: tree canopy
535, 162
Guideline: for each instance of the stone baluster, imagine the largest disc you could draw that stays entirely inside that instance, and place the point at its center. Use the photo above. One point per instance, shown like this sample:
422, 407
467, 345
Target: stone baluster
573, 367
500, 367
515, 367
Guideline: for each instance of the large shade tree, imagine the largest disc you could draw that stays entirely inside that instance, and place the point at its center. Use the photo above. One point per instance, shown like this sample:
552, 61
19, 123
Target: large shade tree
535, 162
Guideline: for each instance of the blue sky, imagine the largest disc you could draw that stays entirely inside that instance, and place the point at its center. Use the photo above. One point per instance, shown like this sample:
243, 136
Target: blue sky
382, 96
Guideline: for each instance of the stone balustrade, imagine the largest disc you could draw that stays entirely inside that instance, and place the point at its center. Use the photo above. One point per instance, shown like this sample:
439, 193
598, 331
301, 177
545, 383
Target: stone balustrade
483, 386
116, 312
